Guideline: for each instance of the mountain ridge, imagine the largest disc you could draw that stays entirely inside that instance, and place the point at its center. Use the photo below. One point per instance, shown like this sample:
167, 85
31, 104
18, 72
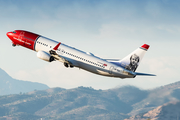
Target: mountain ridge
127, 102
87, 103
9, 85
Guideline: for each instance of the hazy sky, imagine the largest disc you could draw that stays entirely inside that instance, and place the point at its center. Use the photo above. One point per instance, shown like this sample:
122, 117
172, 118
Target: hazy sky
108, 29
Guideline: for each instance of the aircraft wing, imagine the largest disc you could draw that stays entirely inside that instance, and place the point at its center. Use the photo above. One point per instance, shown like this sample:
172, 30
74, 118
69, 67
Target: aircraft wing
61, 58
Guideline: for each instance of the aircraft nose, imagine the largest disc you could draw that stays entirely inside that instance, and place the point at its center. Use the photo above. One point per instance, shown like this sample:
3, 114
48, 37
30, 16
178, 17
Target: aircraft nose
9, 34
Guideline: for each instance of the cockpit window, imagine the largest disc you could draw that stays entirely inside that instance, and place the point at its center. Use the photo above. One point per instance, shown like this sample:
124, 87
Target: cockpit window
14, 32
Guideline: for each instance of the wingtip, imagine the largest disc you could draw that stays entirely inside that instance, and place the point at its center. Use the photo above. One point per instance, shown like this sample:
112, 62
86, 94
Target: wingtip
145, 46
56, 47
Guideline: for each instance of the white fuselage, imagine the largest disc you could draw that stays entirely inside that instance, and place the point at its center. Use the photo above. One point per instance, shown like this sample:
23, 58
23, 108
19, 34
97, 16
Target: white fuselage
83, 60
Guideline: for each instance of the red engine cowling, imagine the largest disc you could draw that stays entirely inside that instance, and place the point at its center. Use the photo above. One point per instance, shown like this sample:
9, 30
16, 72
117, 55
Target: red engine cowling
45, 56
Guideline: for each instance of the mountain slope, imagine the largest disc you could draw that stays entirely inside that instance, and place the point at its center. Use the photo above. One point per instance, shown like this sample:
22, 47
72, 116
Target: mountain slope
86, 103
8, 85
157, 97
168, 111
56, 103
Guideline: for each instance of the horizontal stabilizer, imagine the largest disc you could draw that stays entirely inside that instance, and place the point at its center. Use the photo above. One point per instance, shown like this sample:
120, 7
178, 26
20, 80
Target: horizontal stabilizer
145, 74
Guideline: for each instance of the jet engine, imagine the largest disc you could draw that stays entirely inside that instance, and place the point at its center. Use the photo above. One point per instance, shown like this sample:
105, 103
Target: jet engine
45, 56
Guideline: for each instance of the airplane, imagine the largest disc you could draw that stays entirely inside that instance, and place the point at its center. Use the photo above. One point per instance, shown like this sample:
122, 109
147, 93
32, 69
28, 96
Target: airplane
51, 50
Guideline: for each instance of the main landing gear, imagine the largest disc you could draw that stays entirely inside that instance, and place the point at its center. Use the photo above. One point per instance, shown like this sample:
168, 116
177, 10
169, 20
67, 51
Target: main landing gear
67, 65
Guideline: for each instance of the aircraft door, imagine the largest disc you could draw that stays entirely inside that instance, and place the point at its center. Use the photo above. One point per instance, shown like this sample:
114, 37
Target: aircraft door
20, 37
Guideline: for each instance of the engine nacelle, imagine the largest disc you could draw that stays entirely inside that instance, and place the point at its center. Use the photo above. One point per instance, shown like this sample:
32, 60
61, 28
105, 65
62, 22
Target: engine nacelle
45, 56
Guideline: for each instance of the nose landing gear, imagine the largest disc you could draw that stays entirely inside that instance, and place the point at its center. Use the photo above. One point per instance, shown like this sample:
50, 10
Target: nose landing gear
13, 45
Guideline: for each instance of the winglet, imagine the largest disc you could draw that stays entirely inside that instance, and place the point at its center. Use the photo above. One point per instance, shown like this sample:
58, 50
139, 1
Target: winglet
145, 46
56, 47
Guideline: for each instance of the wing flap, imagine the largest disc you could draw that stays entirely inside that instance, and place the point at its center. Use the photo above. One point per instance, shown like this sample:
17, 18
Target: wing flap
110, 60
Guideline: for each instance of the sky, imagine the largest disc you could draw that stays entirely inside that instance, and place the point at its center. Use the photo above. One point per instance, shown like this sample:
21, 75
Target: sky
108, 29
